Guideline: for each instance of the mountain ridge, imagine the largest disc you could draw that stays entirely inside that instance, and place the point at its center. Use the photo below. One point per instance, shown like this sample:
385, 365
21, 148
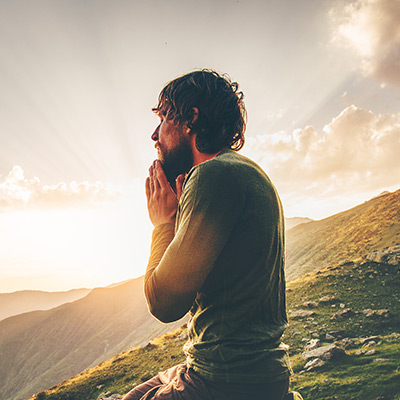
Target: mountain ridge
23, 301
40, 348
373, 225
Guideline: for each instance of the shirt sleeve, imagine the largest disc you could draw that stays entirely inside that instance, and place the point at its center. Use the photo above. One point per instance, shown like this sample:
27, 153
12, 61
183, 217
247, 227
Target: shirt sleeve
179, 264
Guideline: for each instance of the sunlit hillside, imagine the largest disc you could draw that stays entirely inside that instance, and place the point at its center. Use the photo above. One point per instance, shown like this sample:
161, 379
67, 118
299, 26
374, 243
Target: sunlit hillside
40, 348
352, 233
353, 308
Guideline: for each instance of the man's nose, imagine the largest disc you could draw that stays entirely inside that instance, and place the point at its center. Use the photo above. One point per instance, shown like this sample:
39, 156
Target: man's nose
154, 136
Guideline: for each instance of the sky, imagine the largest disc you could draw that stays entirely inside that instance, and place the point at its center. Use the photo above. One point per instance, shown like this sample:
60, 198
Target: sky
78, 78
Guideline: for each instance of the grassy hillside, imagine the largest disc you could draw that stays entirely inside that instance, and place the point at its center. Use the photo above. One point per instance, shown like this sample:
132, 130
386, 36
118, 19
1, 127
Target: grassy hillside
369, 370
373, 225
29, 300
40, 348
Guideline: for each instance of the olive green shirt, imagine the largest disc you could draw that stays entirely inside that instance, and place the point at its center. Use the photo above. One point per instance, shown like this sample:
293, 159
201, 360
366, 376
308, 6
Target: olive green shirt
224, 260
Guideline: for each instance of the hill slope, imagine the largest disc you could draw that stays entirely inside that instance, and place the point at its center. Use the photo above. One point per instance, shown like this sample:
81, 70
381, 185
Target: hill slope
29, 300
40, 348
368, 369
292, 222
373, 225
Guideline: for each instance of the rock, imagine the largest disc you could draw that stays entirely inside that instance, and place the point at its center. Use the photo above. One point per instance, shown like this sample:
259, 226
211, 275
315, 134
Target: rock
370, 352
312, 344
389, 256
346, 312
367, 339
376, 313
380, 360
311, 304
328, 299
341, 305
369, 344
325, 352
347, 343
315, 335
107, 396
359, 352
394, 335
302, 313
329, 337
313, 364
305, 339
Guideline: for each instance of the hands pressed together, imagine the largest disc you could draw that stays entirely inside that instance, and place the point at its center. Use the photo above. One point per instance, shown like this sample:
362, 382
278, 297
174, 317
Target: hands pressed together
162, 201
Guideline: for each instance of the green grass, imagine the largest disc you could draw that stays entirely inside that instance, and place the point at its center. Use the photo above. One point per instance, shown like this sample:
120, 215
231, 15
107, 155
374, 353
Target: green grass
358, 286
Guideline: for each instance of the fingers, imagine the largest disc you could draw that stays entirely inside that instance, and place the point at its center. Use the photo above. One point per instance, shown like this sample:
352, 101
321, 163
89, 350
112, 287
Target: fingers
179, 184
148, 191
156, 180
162, 179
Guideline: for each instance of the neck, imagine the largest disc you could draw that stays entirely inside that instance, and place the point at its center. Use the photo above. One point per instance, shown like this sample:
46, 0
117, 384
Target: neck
199, 157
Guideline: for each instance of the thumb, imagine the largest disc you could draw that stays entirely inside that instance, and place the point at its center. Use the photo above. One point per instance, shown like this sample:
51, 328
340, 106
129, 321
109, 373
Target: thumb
179, 183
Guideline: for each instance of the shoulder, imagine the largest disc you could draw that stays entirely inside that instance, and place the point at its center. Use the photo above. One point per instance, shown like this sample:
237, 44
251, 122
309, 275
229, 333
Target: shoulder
225, 166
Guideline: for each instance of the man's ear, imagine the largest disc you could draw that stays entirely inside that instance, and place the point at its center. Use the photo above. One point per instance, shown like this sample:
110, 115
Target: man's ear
195, 116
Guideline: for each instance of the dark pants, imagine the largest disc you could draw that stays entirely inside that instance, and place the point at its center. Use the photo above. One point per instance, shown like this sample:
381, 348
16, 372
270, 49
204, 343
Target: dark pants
182, 383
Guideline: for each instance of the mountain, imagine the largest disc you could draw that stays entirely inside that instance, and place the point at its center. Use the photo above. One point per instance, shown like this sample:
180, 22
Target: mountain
30, 300
292, 222
370, 226
349, 313
40, 348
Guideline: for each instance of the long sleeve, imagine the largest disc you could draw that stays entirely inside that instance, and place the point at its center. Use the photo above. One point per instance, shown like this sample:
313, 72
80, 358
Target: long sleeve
180, 264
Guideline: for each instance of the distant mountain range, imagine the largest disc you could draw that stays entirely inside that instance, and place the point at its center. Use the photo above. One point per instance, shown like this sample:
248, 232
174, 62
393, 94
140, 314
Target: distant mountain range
30, 300
41, 348
370, 226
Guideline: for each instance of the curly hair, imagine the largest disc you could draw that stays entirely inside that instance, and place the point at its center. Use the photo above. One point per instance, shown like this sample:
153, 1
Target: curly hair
221, 122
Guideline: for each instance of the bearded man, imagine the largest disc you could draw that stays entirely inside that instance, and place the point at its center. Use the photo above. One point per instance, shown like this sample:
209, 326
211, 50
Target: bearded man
217, 249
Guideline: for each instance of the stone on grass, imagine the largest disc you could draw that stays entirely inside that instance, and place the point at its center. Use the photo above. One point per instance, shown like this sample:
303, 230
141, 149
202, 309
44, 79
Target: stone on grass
302, 313
346, 312
108, 396
311, 304
376, 313
327, 352
328, 299
369, 338
328, 336
314, 363
312, 344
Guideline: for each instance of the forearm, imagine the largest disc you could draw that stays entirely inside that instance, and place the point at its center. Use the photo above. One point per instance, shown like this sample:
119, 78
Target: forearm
161, 238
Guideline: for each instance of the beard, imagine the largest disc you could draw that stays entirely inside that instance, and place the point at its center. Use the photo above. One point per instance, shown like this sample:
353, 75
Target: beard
176, 161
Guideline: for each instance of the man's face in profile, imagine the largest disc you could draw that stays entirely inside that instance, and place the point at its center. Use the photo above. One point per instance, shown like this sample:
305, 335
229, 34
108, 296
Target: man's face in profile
173, 147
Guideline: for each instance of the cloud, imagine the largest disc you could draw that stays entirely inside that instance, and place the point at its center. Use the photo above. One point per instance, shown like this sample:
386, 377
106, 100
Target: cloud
16, 191
372, 27
356, 153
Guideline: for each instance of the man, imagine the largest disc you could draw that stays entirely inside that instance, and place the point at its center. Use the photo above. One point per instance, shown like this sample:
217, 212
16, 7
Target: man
217, 249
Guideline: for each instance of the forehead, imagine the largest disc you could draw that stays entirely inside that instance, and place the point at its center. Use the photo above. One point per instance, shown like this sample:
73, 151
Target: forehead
163, 109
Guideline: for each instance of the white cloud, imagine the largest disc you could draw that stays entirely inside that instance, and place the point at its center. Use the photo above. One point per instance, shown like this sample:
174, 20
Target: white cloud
16, 191
356, 154
372, 27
